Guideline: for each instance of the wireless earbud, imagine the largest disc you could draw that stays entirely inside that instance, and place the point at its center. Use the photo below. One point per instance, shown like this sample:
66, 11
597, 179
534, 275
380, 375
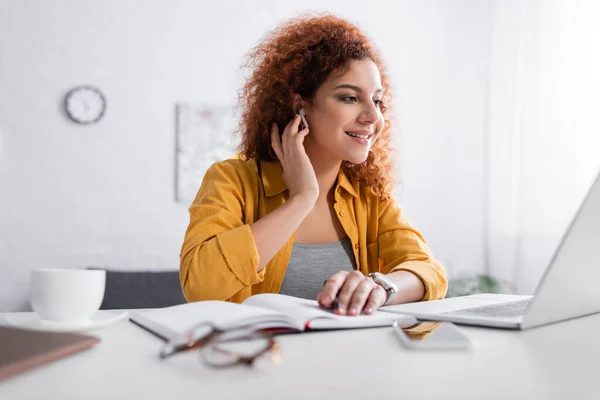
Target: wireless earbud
303, 116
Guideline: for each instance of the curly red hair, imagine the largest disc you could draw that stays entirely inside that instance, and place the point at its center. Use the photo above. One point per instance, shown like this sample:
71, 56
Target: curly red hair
297, 57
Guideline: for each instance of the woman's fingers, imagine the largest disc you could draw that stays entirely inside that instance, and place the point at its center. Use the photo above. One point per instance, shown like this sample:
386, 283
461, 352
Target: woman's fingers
294, 124
282, 144
290, 145
331, 288
300, 136
298, 172
360, 296
355, 294
353, 279
376, 299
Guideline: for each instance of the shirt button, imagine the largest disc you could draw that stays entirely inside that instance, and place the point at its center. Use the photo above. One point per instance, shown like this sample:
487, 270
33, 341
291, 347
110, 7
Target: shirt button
342, 213
356, 246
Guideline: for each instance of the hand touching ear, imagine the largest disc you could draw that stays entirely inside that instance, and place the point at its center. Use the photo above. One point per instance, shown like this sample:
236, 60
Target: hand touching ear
298, 172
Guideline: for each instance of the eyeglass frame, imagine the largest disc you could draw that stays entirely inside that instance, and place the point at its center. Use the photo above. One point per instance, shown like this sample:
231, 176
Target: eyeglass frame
212, 339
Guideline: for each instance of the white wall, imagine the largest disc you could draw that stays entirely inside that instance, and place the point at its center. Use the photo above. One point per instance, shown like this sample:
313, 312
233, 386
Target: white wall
544, 140
440, 60
103, 195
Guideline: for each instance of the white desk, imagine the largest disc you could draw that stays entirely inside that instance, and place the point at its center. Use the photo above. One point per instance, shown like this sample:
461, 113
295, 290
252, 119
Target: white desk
560, 361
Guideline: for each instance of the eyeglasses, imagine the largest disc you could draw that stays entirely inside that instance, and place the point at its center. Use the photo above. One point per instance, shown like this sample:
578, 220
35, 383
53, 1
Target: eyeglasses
221, 349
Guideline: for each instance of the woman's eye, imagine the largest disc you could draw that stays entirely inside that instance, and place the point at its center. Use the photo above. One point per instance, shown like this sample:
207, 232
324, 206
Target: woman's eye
378, 103
349, 99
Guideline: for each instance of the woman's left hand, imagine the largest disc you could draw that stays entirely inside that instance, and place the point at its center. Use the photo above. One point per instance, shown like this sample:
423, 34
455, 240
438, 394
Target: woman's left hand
356, 294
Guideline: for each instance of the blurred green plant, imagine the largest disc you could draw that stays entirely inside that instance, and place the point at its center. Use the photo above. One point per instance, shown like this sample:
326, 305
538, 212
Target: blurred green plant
477, 284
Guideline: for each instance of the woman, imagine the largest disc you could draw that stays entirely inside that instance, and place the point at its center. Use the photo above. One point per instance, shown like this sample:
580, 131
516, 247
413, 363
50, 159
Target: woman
308, 204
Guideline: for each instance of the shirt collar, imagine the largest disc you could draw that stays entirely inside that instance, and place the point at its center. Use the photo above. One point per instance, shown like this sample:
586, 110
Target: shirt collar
272, 178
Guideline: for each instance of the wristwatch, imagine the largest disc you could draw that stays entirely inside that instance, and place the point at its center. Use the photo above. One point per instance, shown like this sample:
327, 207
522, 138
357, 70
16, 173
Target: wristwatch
390, 287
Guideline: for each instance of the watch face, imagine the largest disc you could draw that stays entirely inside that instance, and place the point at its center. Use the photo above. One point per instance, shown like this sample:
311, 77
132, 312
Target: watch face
383, 281
85, 104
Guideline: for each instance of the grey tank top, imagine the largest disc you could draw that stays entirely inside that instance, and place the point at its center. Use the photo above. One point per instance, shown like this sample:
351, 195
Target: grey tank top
311, 264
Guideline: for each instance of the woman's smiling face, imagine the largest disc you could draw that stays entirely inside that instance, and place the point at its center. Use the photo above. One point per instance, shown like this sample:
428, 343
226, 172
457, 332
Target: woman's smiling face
344, 115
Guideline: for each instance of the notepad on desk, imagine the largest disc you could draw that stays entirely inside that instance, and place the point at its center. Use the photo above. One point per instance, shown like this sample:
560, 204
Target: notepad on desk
24, 349
261, 311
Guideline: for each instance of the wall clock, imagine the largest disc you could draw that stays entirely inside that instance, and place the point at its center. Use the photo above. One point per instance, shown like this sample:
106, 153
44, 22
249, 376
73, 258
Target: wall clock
85, 104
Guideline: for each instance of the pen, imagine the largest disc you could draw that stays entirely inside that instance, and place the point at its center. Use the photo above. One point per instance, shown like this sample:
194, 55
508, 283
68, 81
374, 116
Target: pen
335, 304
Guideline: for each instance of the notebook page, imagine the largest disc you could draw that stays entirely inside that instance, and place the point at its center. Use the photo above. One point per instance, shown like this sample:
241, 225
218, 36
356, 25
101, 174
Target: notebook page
312, 316
168, 321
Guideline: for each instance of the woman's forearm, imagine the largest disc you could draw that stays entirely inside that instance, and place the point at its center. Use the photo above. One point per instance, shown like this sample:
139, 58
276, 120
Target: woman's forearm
410, 287
273, 230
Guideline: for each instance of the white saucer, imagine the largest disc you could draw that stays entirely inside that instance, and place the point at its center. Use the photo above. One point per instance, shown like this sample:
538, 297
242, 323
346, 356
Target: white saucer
31, 320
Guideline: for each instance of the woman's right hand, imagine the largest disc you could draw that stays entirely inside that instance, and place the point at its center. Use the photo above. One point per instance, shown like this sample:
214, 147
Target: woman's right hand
298, 172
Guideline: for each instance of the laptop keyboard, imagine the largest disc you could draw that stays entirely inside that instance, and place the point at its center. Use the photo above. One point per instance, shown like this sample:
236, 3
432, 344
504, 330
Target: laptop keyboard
503, 310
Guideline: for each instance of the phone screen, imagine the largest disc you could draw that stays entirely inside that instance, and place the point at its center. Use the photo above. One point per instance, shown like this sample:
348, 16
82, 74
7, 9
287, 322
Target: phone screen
433, 335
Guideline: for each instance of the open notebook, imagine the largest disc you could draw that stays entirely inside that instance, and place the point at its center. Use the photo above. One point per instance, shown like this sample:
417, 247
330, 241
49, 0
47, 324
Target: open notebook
261, 311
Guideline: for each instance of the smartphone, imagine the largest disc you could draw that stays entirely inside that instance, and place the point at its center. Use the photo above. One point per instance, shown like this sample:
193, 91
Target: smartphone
303, 116
433, 336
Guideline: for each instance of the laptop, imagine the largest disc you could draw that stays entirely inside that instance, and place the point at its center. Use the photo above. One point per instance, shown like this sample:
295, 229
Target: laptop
568, 289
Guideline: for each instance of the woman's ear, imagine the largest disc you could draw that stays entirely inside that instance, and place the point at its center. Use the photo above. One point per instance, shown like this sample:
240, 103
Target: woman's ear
297, 103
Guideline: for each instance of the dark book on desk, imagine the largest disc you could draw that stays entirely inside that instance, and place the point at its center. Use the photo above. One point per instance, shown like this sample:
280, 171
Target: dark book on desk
24, 349
261, 311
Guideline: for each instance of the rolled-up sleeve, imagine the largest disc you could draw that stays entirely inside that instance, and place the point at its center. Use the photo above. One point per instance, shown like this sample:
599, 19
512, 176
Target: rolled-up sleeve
403, 248
218, 256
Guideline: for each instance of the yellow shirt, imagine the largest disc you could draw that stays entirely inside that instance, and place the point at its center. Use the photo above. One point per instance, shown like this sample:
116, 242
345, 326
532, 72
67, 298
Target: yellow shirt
219, 257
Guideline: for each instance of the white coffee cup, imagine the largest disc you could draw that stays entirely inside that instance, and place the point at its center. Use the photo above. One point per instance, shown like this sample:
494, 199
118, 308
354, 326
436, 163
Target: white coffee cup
66, 295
